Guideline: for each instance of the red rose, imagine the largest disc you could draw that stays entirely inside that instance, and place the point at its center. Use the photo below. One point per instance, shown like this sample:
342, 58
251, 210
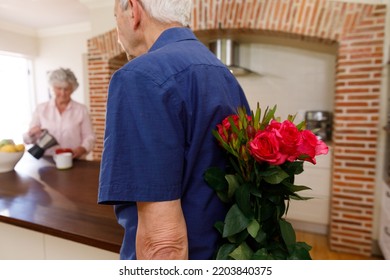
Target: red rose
273, 125
224, 129
250, 131
265, 147
226, 121
222, 133
290, 138
321, 148
311, 146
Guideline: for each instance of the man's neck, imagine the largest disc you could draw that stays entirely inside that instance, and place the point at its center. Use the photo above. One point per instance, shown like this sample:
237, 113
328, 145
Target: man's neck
155, 29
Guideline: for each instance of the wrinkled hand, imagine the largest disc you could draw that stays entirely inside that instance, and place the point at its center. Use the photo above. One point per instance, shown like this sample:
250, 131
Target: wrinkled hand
79, 152
35, 132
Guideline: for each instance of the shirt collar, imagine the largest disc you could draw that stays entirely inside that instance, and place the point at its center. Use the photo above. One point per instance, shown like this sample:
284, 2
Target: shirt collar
172, 35
52, 103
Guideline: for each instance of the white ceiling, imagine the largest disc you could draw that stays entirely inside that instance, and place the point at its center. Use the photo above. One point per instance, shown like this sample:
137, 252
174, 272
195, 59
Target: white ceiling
41, 14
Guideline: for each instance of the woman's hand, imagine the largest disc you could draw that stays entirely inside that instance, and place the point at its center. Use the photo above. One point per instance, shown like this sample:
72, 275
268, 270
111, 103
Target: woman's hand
79, 152
35, 132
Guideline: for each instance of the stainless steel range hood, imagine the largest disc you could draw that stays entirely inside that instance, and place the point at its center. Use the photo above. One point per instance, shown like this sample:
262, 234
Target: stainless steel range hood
228, 52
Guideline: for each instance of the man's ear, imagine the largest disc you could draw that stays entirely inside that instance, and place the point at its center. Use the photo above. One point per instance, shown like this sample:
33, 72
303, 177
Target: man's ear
136, 10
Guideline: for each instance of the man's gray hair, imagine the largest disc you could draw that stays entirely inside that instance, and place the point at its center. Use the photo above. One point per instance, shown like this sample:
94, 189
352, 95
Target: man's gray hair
62, 75
166, 11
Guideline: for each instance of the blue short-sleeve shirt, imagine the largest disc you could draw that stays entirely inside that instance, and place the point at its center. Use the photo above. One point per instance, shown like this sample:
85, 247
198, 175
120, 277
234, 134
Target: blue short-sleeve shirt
161, 110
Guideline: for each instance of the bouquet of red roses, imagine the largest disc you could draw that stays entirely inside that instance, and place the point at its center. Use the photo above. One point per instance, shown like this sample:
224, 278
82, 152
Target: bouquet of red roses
264, 154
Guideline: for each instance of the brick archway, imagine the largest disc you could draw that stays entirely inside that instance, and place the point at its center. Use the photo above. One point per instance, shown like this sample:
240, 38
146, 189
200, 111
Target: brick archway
359, 30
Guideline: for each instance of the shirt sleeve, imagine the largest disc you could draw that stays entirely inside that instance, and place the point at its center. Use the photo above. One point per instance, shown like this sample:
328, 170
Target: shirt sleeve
87, 133
143, 154
35, 121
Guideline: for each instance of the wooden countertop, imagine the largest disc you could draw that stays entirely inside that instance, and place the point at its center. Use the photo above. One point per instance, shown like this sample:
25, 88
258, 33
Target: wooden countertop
62, 203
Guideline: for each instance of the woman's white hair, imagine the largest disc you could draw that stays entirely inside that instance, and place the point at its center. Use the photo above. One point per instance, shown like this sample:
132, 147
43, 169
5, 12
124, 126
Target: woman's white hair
166, 11
62, 75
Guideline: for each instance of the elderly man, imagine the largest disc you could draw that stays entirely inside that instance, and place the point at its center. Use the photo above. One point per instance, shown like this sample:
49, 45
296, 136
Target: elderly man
161, 109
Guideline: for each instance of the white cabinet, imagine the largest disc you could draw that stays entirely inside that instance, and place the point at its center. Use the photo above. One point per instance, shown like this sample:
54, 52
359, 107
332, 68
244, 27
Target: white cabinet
313, 214
17, 243
384, 228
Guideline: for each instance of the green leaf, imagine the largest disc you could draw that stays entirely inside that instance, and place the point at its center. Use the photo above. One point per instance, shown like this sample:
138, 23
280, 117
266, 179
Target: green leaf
280, 209
243, 116
215, 178
268, 116
224, 144
261, 254
219, 226
253, 228
304, 245
274, 175
288, 234
301, 125
232, 184
277, 198
256, 117
292, 189
295, 167
279, 253
298, 197
242, 252
242, 196
291, 118
239, 237
235, 221
267, 210
233, 126
300, 252
297, 188
224, 251
255, 191
261, 236
236, 166
276, 178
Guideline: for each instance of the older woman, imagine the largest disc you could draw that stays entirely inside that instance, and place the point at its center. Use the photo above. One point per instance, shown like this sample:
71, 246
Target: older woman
67, 120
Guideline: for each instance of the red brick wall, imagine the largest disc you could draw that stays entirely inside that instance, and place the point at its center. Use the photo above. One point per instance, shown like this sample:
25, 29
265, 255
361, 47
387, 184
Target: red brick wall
359, 31
103, 52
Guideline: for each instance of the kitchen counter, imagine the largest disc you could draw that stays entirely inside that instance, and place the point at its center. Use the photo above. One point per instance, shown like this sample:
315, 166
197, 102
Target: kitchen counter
62, 203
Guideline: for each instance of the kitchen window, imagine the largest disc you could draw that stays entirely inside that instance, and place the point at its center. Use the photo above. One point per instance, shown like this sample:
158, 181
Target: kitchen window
16, 96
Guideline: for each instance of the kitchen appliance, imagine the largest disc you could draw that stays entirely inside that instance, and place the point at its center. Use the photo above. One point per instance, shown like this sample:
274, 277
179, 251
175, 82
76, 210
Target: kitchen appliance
227, 51
45, 141
320, 122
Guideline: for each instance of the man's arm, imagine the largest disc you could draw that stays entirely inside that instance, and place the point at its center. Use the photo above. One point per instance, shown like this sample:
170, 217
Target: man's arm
162, 231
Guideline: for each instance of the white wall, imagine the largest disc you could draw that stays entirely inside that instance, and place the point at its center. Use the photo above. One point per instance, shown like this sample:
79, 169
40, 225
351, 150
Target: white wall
102, 19
21, 43
295, 77
66, 50
383, 138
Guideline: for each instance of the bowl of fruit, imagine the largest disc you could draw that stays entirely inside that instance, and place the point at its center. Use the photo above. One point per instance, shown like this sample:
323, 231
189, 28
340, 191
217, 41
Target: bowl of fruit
10, 154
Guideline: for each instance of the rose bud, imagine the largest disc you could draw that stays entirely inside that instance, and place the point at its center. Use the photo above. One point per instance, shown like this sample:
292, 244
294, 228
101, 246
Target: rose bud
250, 131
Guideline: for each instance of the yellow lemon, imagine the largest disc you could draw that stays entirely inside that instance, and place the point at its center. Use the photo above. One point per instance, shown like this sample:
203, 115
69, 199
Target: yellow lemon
6, 142
19, 147
9, 148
